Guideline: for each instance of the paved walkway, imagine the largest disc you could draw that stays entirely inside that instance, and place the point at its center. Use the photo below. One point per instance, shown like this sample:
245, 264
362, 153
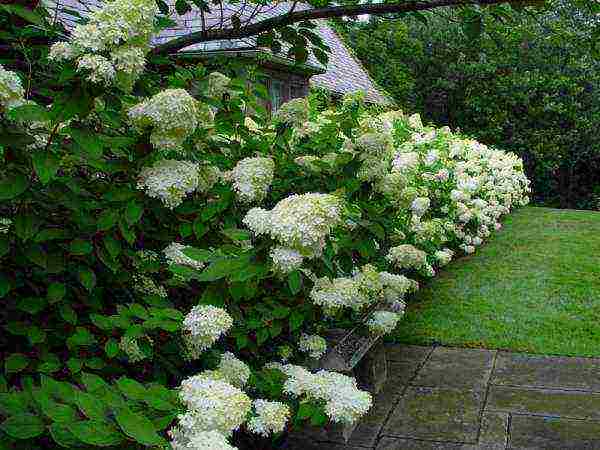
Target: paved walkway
470, 399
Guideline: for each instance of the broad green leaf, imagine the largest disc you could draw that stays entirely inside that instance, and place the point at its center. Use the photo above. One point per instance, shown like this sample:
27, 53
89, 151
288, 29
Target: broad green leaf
74, 365
80, 247
108, 219
68, 313
236, 234
93, 382
50, 364
5, 285
111, 348
4, 245
26, 226
46, 165
133, 212
132, 388
14, 403
29, 113
96, 432
32, 305
81, 337
15, 362
137, 427
59, 412
12, 185
87, 278
296, 320
63, 436
23, 426
112, 246
91, 405
56, 292
295, 282
36, 335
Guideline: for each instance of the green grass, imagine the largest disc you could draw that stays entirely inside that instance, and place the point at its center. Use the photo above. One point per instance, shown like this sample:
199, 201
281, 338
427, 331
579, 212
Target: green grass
534, 287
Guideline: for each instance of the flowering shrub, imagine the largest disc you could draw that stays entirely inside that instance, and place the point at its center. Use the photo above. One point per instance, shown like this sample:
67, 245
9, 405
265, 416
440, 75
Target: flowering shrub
169, 260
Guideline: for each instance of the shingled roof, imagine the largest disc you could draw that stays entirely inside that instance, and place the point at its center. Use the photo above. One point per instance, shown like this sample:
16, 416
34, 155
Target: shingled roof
343, 74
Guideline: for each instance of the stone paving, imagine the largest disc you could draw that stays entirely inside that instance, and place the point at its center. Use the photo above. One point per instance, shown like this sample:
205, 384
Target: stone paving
470, 399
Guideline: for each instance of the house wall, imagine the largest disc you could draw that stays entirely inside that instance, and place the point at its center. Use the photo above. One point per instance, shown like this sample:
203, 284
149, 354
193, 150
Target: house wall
284, 86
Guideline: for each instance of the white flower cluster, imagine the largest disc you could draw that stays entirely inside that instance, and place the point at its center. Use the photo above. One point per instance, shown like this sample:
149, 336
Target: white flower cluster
217, 84
145, 285
300, 222
364, 288
314, 345
383, 322
213, 406
115, 39
11, 90
233, 370
252, 178
203, 440
172, 114
285, 260
171, 181
129, 345
444, 256
270, 417
344, 401
293, 112
203, 326
5, 224
174, 255
407, 256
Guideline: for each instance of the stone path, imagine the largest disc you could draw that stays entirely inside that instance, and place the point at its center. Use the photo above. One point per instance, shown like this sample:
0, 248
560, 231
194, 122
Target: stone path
470, 399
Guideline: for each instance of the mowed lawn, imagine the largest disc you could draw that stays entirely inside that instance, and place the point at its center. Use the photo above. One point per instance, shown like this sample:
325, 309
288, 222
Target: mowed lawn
533, 287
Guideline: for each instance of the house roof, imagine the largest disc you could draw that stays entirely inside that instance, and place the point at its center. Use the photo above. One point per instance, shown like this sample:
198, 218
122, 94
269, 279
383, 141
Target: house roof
343, 74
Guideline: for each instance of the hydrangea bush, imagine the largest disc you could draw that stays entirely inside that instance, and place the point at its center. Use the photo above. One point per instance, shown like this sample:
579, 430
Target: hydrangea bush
171, 260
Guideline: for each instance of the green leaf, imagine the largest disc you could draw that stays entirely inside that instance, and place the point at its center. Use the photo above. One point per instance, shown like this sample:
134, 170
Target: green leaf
24, 13
5, 285
95, 432
13, 185
36, 335
56, 292
295, 281
50, 234
81, 337
74, 365
63, 436
236, 234
262, 335
26, 226
68, 313
15, 362
133, 212
4, 246
87, 278
296, 320
88, 142
112, 246
14, 403
132, 388
198, 254
59, 412
107, 219
29, 113
46, 165
80, 247
200, 229
90, 405
50, 364
23, 426
93, 382
111, 348
32, 305
137, 427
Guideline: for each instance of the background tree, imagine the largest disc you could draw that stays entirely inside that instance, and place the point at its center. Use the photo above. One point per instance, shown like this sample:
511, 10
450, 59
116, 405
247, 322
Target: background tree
531, 87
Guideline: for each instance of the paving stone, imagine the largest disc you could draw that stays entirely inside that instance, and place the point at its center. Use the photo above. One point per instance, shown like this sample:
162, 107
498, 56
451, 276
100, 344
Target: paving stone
546, 402
407, 353
494, 429
368, 429
456, 367
536, 432
436, 414
549, 372
388, 443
